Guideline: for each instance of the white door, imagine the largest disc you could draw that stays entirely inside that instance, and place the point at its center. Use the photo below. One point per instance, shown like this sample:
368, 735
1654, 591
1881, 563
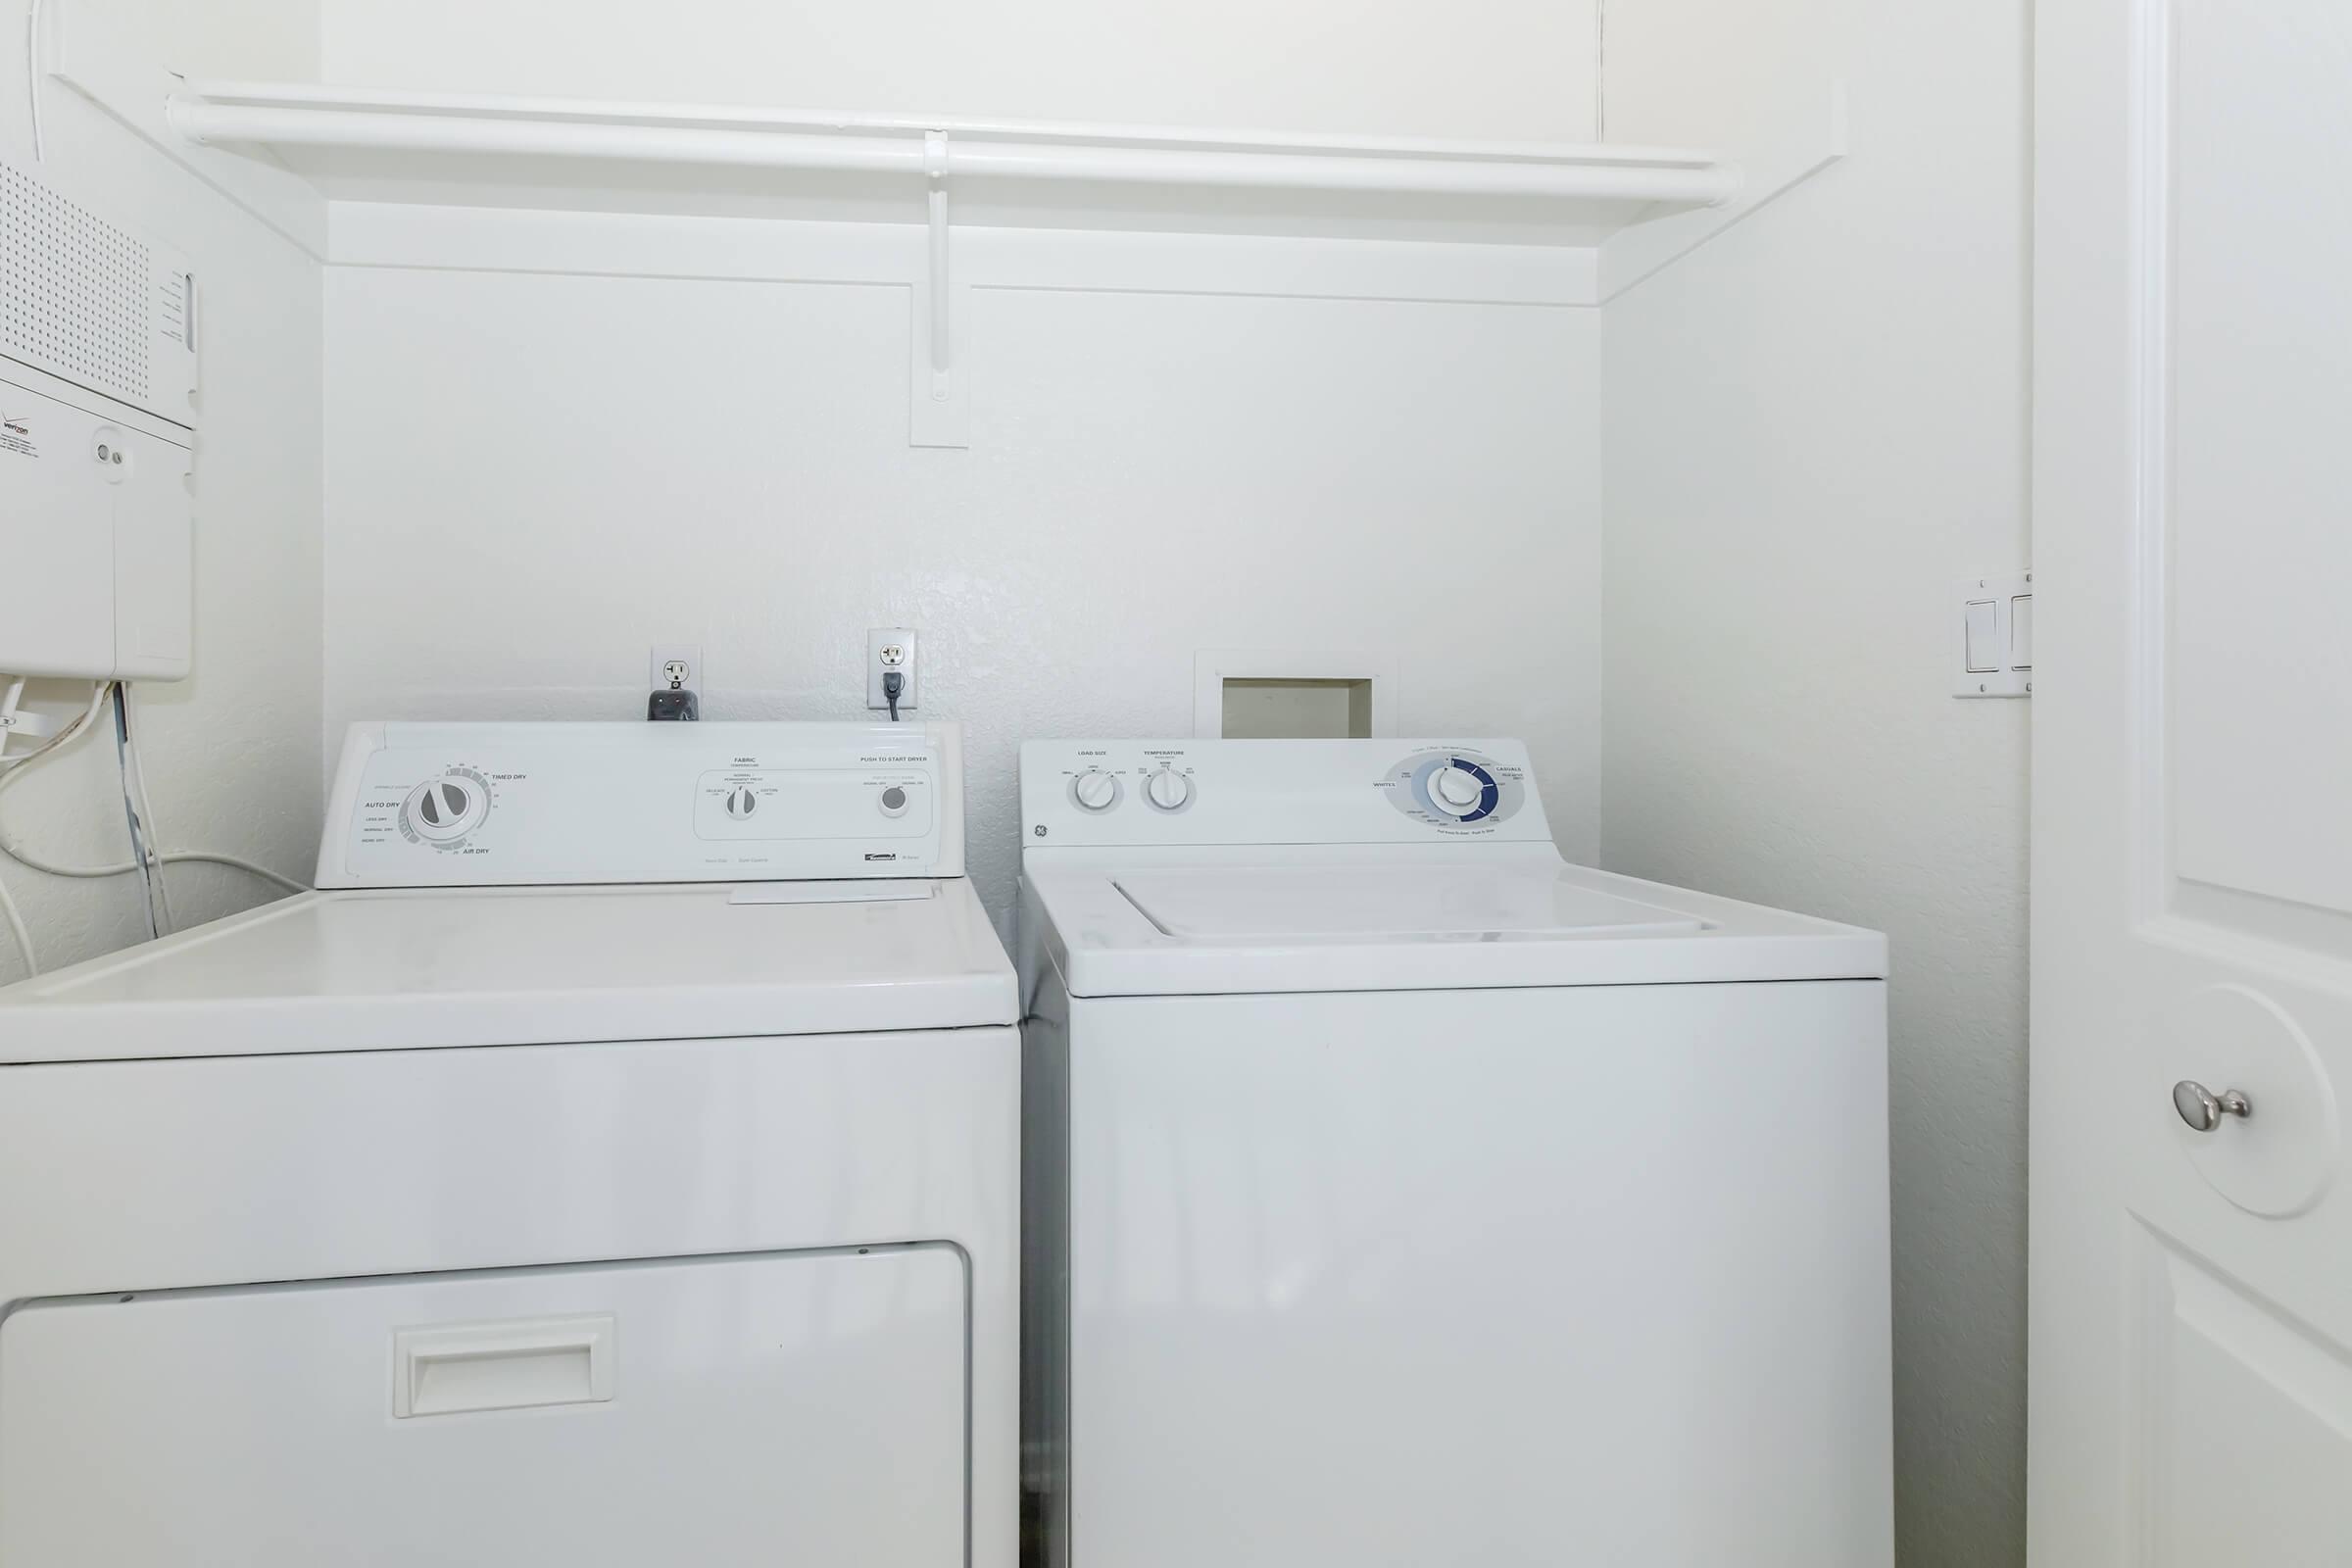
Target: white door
2192, 1315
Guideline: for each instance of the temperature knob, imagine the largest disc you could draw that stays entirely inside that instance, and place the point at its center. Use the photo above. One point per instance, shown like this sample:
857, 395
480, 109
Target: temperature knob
1456, 791
1094, 790
1168, 789
740, 802
445, 809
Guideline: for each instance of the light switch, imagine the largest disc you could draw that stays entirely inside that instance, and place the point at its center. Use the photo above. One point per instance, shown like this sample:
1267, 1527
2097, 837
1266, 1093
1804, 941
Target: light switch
1984, 629
1994, 655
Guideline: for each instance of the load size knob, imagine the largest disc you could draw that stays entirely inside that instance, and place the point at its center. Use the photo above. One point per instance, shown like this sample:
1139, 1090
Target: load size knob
1168, 790
1094, 790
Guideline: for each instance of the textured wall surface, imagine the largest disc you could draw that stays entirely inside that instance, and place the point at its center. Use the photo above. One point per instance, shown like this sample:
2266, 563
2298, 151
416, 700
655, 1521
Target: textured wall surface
232, 753
1815, 426
1488, 68
519, 507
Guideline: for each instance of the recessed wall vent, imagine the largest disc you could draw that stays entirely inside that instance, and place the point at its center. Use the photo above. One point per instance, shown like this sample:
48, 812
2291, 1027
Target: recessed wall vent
1273, 694
92, 302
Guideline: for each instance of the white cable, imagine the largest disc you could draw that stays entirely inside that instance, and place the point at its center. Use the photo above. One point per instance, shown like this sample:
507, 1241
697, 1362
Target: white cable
32, 73
8, 713
24, 858
82, 721
8, 903
33, 862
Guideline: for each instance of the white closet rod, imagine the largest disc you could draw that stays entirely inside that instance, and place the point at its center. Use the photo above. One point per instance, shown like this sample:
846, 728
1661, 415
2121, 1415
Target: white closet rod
203, 122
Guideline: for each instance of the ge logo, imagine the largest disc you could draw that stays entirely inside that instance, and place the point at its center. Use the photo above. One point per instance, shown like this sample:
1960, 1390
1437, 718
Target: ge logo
1039, 830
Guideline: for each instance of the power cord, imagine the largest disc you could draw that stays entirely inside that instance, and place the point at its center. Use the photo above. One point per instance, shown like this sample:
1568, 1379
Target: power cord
674, 704
894, 681
141, 854
155, 825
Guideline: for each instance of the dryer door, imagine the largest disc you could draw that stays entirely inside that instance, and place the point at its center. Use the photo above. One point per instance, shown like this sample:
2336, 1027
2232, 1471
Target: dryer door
780, 1407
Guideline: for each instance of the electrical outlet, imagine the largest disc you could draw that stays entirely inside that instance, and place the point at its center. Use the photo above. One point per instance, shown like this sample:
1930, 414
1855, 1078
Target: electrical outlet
890, 649
675, 666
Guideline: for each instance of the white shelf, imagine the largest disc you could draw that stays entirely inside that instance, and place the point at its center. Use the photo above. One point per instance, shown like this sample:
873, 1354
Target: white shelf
453, 149
1583, 221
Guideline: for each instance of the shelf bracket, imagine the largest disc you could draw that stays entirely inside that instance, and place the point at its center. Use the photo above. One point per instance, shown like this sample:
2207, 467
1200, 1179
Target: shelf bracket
1794, 141
938, 417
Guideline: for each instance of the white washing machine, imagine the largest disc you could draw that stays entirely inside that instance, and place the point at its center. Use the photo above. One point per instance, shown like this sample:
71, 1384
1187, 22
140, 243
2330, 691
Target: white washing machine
1400, 1194
618, 1167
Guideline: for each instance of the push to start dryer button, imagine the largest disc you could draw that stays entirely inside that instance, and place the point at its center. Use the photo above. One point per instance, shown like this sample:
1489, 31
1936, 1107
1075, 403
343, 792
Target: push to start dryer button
894, 800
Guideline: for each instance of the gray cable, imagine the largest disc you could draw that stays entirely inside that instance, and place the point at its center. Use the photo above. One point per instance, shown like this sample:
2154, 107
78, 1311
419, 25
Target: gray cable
131, 813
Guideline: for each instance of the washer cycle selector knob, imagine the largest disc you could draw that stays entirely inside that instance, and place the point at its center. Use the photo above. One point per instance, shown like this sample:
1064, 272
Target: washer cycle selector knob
740, 802
1094, 790
445, 809
894, 800
1168, 789
1456, 791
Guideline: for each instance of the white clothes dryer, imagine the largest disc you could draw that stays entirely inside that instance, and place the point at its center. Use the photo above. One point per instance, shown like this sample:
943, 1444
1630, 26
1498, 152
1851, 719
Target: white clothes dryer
615, 1164
1400, 1194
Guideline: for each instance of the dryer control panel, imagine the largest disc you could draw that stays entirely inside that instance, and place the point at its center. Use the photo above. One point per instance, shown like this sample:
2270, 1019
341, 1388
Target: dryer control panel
1277, 792
504, 804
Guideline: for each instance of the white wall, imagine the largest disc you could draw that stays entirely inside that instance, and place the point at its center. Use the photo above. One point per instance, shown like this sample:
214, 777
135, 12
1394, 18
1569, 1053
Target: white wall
533, 479
1480, 68
1815, 426
232, 753
239, 40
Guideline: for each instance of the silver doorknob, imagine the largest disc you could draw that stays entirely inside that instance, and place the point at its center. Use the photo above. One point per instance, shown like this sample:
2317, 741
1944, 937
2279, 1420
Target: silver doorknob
2203, 1109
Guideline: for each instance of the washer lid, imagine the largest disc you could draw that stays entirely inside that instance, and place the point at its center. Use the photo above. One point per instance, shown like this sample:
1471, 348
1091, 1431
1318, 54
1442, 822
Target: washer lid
408, 969
1245, 920
1340, 903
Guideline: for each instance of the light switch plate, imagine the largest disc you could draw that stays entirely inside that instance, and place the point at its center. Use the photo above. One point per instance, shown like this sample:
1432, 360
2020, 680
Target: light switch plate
1992, 636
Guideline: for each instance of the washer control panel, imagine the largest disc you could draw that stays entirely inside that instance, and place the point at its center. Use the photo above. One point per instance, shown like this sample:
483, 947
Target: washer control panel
1276, 792
1457, 785
474, 805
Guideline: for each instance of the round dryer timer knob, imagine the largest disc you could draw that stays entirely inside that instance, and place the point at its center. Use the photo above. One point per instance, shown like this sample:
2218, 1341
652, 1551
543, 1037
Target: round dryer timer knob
1456, 791
444, 809
1168, 790
1094, 790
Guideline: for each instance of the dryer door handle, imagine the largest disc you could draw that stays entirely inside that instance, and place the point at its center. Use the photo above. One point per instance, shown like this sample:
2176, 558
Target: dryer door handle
458, 1367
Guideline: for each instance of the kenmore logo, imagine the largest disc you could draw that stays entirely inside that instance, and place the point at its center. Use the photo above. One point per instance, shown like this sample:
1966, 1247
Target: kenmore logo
886, 854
